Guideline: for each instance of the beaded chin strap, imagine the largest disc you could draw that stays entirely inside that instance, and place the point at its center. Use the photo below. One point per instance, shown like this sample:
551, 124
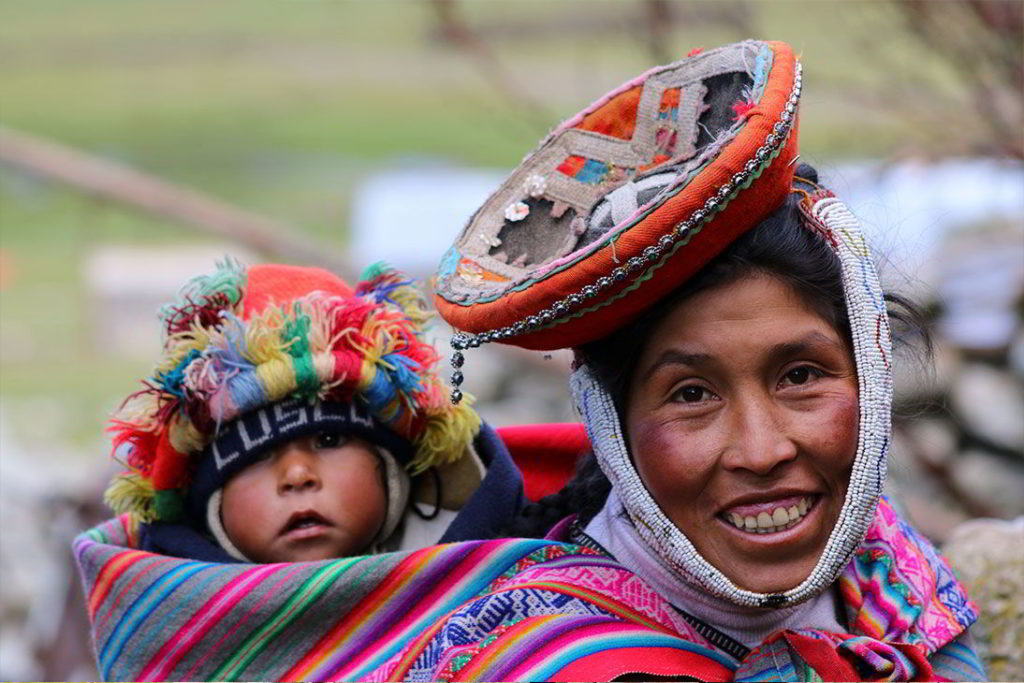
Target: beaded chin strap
638, 267
871, 343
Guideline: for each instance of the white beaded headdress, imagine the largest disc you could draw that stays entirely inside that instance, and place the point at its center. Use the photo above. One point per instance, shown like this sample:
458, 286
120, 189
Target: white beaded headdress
869, 329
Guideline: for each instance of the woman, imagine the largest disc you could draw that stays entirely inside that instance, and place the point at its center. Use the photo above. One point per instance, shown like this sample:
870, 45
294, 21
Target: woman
733, 370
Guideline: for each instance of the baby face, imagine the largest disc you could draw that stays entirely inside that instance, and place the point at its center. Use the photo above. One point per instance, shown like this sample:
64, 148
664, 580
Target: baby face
314, 498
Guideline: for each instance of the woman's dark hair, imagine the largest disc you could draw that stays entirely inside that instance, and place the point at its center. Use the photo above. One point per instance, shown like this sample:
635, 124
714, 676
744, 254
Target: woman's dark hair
780, 246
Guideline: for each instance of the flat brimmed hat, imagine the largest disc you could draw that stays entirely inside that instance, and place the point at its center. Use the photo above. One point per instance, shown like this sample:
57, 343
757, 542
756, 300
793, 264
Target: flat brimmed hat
626, 200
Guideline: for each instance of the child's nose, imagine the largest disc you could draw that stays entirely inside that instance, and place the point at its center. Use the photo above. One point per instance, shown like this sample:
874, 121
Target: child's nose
297, 469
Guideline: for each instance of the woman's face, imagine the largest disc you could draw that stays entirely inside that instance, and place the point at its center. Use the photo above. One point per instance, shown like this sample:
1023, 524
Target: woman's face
742, 422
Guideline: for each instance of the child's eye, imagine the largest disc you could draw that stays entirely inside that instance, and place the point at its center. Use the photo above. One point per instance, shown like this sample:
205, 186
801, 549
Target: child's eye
326, 440
262, 455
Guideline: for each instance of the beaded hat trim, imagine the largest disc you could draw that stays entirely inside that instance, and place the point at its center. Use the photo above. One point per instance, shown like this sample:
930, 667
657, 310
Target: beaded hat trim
612, 287
225, 356
869, 328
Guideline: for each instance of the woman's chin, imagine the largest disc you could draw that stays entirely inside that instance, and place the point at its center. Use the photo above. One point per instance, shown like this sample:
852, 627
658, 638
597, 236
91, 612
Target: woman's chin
771, 580
767, 576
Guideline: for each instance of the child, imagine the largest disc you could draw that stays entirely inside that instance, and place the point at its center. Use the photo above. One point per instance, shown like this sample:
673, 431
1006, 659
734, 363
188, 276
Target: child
288, 419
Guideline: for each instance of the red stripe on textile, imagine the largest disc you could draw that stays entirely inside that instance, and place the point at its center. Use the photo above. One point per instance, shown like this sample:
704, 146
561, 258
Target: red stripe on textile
657, 661
210, 650
127, 589
108, 576
354, 624
210, 614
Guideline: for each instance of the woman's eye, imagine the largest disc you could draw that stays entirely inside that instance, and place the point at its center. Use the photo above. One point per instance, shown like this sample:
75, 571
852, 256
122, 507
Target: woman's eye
802, 374
329, 440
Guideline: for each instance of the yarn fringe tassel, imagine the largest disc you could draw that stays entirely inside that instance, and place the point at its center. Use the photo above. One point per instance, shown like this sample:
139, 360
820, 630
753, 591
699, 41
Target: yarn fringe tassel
445, 437
133, 494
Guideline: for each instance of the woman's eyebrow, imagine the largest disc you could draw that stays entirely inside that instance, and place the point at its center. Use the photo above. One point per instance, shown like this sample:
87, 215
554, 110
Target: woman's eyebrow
809, 342
677, 357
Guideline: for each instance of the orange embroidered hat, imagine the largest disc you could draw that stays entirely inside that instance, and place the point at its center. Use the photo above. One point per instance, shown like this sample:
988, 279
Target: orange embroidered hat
625, 201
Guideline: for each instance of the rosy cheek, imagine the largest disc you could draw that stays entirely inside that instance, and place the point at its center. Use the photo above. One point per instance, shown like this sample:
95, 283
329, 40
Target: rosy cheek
668, 452
836, 428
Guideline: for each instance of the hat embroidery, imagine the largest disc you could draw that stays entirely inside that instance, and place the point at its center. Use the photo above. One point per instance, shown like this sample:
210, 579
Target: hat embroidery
514, 213
535, 185
637, 269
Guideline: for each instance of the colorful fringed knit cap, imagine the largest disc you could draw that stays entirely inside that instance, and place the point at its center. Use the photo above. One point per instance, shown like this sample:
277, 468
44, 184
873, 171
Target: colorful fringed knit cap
300, 340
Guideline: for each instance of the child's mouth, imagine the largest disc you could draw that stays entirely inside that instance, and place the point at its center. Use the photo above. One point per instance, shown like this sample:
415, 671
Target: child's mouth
304, 521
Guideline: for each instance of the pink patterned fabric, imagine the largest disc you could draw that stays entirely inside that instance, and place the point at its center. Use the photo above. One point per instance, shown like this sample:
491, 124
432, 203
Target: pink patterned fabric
897, 587
622, 585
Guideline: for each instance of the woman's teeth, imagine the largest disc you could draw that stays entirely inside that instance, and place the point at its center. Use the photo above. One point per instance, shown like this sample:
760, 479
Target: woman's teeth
769, 522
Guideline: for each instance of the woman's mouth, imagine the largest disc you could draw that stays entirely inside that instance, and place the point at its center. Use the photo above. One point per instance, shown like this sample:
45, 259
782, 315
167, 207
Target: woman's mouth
770, 517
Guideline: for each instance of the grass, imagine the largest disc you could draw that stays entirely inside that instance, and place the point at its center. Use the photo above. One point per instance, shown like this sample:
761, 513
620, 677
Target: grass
283, 107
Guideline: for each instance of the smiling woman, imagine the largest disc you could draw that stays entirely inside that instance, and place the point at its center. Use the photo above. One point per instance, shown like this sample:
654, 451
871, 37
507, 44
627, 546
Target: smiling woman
733, 372
739, 402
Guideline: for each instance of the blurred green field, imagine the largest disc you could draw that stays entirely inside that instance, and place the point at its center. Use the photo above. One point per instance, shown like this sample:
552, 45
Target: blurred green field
283, 107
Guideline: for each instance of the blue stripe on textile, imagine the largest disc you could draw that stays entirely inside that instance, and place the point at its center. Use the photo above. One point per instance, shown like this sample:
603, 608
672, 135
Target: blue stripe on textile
140, 609
958, 657
191, 600
482, 576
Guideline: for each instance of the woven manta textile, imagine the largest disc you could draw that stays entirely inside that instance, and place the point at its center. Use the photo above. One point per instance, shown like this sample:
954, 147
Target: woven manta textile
494, 610
629, 197
507, 609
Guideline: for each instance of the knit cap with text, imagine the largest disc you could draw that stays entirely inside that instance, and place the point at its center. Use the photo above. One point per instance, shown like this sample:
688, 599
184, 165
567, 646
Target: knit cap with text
257, 356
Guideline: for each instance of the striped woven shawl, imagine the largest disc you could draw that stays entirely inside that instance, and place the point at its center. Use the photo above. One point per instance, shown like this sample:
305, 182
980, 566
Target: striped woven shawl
507, 609
484, 610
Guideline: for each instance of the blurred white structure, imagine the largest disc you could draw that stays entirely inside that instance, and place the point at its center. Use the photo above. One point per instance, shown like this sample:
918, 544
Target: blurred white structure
411, 214
128, 284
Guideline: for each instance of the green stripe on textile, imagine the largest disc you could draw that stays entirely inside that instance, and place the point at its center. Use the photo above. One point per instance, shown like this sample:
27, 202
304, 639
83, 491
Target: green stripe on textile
300, 600
306, 595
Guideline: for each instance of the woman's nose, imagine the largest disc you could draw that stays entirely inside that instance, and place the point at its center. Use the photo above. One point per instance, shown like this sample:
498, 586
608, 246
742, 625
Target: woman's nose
297, 469
760, 440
